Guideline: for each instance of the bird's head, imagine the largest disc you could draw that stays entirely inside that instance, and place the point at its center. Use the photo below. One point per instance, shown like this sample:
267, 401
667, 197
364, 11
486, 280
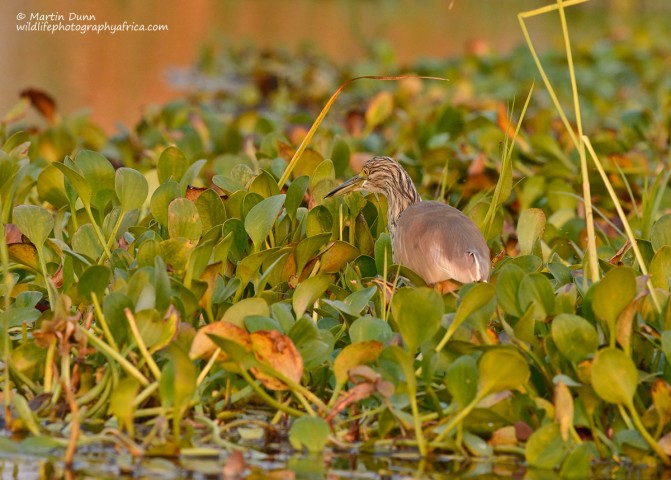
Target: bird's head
379, 175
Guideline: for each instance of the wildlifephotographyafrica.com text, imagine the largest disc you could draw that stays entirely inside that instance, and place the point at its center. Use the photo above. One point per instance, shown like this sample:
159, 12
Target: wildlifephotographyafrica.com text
80, 23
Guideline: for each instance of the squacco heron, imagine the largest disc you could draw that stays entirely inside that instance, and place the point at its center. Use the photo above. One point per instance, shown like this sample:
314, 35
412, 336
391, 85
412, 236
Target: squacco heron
435, 240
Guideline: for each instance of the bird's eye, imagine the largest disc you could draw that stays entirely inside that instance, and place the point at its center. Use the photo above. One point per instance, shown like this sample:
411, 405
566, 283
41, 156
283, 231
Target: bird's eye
365, 172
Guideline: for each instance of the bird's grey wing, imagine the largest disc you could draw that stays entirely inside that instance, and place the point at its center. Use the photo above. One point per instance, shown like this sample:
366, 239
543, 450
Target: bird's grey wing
440, 243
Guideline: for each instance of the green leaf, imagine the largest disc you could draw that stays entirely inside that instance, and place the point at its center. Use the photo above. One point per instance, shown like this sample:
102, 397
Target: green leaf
418, 313
99, 175
310, 433
183, 220
614, 376
121, 403
340, 155
545, 448
370, 328
261, 218
507, 286
530, 227
244, 308
612, 294
78, 182
535, 289
461, 380
660, 235
51, 188
660, 268
161, 199
478, 301
131, 188
574, 337
380, 108
172, 164
382, 250
501, 368
210, 209
265, 185
295, 194
307, 249
308, 292
95, 279
35, 222
337, 255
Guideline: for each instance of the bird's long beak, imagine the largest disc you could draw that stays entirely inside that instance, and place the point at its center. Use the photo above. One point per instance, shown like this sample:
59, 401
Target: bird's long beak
351, 185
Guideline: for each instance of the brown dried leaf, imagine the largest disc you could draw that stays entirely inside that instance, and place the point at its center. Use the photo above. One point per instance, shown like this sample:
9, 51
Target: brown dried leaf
42, 101
504, 436
277, 351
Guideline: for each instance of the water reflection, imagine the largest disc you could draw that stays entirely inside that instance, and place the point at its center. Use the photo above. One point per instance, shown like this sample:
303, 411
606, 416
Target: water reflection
117, 75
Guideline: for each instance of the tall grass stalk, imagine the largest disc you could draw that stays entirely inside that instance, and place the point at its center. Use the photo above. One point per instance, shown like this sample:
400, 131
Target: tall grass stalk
625, 221
576, 139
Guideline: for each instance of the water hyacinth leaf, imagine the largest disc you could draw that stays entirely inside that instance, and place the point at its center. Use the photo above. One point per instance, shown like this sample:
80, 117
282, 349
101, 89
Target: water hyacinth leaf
183, 220
535, 289
660, 268
308, 248
95, 279
319, 220
51, 188
340, 155
161, 199
249, 306
545, 448
227, 184
309, 433
578, 463
614, 376
564, 409
354, 354
254, 323
264, 184
574, 337
156, 332
191, 174
308, 291
660, 235
507, 286
379, 109
322, 180
295, 194
211, 209
77, 181
131, 188
383, 253
530, 227
355, 302
479, 297
178, 381
261, 218
99, 174
277, 351
370, 328
203, 346
121, 403
461, 380
613, 293
336, 256
172, 164
501, 368
418, 312
34, 222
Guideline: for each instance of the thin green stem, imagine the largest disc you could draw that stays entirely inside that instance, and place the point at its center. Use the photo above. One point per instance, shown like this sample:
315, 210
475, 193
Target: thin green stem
114, 355
457, 418
97, 231
141, 345
646, 435
625, 222
110, 241
100, 316
49, 366
267, 398
7, 343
